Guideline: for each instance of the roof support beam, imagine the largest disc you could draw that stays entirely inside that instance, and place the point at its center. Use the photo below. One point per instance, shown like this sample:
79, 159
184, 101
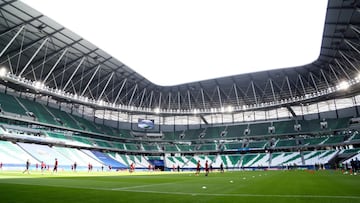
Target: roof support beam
313, 80
142, 97
56, 86
340, 66
288, 83
188, 93
151, 96
92, 77
120, 90
253, 89
355, 29
219, 95
169, 101
160, 100
323, 74
32, 43
272, 89
11, 41
20, 51
21, 24
347, 59
179, 100
61, 49
106, 85
132, 95
236, 95
33, 56
202, 97
302, 84
10, 65
333, 71
72, 75
352, 46
54, 66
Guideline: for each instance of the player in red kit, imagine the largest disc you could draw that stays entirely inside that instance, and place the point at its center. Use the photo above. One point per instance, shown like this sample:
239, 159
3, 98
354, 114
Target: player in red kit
198, 168
56, 165
206, 168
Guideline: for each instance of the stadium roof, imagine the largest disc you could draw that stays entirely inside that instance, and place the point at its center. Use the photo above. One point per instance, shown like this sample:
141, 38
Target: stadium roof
34, 47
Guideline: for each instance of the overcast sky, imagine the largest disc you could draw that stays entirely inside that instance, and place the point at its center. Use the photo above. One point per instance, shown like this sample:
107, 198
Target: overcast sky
174, 42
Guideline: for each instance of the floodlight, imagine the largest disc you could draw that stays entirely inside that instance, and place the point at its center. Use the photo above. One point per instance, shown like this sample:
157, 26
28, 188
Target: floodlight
101, 102
343, 85
230, 109
357, 79
3, 71
157, 110
38, 84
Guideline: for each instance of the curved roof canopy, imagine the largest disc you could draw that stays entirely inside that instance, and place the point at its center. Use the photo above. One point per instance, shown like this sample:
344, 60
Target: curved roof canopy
37, 50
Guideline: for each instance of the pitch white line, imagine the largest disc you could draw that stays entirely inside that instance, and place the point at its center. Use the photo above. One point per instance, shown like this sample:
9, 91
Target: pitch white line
192, 194
244, 195
141, 186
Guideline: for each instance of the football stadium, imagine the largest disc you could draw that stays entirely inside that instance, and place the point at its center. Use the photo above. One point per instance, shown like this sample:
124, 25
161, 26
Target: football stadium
79, 125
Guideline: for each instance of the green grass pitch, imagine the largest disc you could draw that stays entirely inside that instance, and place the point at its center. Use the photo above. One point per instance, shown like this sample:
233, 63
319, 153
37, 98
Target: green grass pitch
241, 186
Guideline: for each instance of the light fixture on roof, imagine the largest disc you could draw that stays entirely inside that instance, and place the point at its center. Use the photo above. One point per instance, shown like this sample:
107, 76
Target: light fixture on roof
157, 110
357, 79
3, 71
230, 109
101, 102
343, 85
38, 85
